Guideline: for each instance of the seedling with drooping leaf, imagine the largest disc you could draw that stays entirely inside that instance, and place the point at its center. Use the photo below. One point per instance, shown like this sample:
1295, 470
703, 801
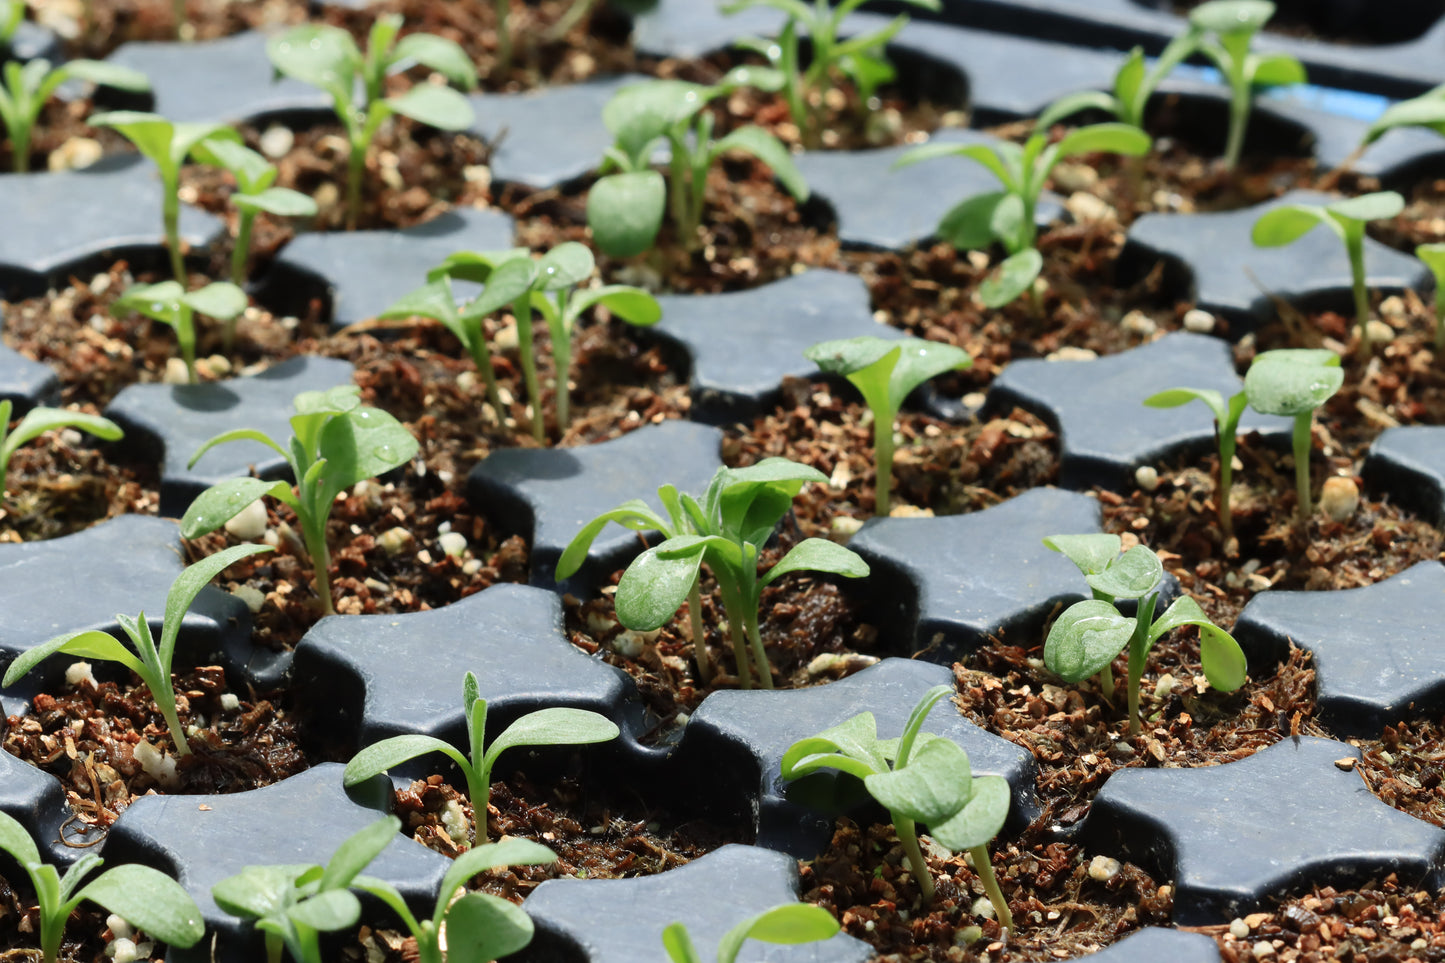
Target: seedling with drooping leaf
171, 304
28, 86
37, 421
336, 442
1426, 110
1294, 382
149, 661
788, 924
1226, 432
885, 371
327, 57
1347, 219
144, 897
920, 778
626, 209
1434, 257
558, 726
1087, 637
728, 530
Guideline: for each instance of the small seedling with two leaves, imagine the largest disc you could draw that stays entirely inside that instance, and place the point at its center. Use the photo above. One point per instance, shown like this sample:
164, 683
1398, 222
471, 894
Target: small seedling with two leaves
788, 924
37, 421
327, 57
144, 897
920, 778
336, 442
558, 726
28, 86
171, 304
1294, 382
149, 661
1226, 434
1087, 637
885, 371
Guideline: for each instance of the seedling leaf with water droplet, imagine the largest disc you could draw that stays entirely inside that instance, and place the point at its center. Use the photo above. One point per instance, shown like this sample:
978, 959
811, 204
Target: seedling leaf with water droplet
171, 304
789, 924
1294, 382
37, 421
28, 86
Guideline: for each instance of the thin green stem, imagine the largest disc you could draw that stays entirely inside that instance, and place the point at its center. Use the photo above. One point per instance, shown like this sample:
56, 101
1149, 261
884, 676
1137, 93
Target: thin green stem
883, 459
173, 720
908, 839
1239, 103
1106, 681
1355, 247
733, 607
522, 309
699, 638
983, 866
186, 339
760, 655
504, 36
314, 532
52, 930
1227, 442
479, 791
1139, 656
562, 361
1302, 444
242, 251
20, 145
355, 167
482, 358
171, 216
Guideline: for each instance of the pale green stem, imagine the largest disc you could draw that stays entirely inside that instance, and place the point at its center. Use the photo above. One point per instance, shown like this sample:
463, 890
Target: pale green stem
699, 638
1355, 247
173, 721
1227, 442
314, 532
482, 358
1139, 657
760, 655
562, 360
171, 215
733, 607
983, 866
20, 145
355, 167
1106, 681
522, 309
1302, 440
883, 459
1239, 103
908, 839
244, 223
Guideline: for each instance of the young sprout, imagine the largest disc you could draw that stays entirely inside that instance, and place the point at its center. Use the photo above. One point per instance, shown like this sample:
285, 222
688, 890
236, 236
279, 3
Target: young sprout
625, 209
728, 530
885, 371
790, 924
327, 57
1226, 432
336, 442
918, 778
37, 421
145, 898
28, 86
11, 13
1227, 28
558, 726
1294, 382
1347, 218
1434, 257
1426, 110
151, 663
170, 303
1087, 637
167, 145
1134, 84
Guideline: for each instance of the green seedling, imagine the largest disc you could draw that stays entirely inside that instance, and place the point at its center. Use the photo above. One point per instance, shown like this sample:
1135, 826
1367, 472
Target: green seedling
336, 442
167, 145
790, 924
171, 304
885, 371
860, 58
37, 421
151, 663
1226, 28
920, 778
728, 530
1294, 382
1134, 84
145, 898
1007, 216
1426, 110
625, 209
1434, 257
11, 13
1347, 219
255, 177
559, 726
327, 57
1086, 638
1226, 431
28, 86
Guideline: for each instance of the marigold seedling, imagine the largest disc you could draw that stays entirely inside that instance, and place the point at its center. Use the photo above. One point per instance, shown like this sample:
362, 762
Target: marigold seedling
788, 924
149, 661
327, 57
28, 86
885, 371
37, 421
920, 778
1347, 219
1294, 382
559, 726
336, 442
1226, 432
171, 304
144, 897
1434, 257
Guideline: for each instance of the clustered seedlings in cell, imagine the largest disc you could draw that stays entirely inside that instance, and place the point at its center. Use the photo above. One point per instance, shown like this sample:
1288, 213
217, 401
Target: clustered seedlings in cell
1347, 219
144, 897
336, 442
885, 371
788, 924
1433, 255
150, 662
327, 57
1089, 635
37, 421
919, 778
1294, 382
557, 726
28, 86
171, 304
625, 209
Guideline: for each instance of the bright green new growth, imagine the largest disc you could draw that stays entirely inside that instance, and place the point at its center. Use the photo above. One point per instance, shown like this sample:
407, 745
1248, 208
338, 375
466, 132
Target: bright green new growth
547, 286
153, 663
145, 898
167, 145
920, 778
1426, 110
1434, 257
336, 442
28, 86
1133, 85
1086, 638
859, 58
1226, 431
1294, 382
170, 303
1347, 219
1007, 216
625, 209
37, 421
728, 530
327, 57
885, 371
790, 923
558, 726
11, 13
